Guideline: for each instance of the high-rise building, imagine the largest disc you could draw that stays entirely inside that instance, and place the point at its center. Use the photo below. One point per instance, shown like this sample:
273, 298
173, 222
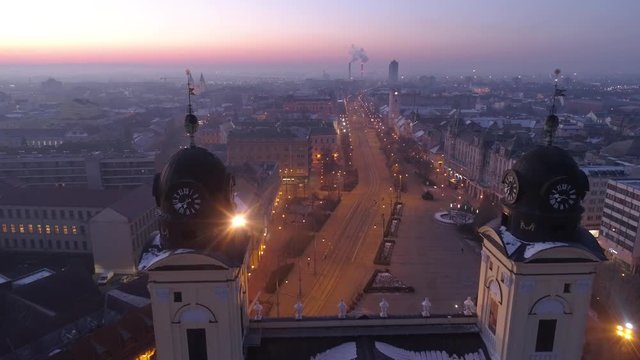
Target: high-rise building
599, 176
619, 233
393, 72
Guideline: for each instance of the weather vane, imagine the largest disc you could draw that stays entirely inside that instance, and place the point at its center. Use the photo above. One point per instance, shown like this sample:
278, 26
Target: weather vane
190, 121
552, 122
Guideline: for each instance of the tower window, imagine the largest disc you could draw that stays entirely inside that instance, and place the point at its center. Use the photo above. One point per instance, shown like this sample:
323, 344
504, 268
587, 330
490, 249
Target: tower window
546, 335
567, 288
197, 344
492, 322
177, 296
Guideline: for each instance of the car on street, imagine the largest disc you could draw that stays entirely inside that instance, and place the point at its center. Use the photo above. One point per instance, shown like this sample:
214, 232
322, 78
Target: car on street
104, 278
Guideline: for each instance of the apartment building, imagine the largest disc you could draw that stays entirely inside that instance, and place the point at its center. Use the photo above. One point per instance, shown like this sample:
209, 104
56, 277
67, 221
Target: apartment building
593, 203
93, 171
113, 225
620, 218
259, 146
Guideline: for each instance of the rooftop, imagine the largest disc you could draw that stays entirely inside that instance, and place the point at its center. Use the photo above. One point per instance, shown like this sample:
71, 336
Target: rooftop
634, 183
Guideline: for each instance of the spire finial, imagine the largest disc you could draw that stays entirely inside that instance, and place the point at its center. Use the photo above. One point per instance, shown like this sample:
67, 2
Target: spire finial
552, 122
190, 121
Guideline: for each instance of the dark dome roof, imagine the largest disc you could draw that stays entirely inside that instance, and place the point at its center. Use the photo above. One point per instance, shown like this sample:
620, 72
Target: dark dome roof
545, 163
195, 164
533, 217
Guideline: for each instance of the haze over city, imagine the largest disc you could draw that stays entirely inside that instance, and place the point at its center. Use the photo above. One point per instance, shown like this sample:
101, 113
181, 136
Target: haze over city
297, 179
305, 37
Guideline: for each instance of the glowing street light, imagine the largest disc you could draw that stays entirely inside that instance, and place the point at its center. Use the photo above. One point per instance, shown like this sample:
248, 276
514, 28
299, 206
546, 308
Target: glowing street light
625, 332
238, 221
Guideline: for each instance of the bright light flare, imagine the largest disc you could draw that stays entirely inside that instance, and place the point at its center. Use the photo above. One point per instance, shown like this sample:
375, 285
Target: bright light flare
238, 221
625, 331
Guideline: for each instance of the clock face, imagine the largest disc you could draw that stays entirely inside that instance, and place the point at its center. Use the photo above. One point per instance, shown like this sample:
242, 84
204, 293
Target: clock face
186, 201
563, 196
511, 187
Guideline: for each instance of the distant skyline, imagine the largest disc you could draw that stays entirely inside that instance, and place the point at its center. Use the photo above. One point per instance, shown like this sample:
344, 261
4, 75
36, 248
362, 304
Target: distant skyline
428, 36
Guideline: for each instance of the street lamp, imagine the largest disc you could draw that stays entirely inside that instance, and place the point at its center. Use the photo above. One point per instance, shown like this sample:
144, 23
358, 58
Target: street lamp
625, 332
238, 221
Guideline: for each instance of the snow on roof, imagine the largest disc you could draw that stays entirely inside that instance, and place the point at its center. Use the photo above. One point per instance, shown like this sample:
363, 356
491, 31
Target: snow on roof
346, 351
134, 300
535, 248
35, 276
3, 279
154, 253
398, 353
512, 243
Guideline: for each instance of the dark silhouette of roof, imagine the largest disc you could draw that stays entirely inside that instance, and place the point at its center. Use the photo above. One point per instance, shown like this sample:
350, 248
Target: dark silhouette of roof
34, 310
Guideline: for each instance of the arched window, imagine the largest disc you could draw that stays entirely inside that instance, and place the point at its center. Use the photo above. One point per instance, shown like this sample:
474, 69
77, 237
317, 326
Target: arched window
194, 314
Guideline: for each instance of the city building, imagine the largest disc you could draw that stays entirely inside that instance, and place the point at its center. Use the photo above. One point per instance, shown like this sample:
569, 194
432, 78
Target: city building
536, 275
599, 176
93, 171
538, 263
393, 112
324, 140
323, 105
620, 218
393, 72
112, 225
258, 146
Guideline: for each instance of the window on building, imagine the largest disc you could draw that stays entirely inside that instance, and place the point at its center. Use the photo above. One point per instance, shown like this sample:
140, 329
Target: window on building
13, 228
177, 296
82, 231
54, 214
21, 228
546, 335
5, 228
39, 228
74, 229
63, 214
84, 245
66, 244
27, 214
30, 228
58, 244
32, 242
493, 315
6, 243
9, 213
197, 344
23, 243
65, 229
19, 213
56, 229
1, 213
41, 243
567, 288
75, 245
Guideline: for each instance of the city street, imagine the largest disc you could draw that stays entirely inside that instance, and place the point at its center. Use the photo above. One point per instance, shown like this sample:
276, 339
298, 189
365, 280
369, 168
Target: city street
432, 257
350, 238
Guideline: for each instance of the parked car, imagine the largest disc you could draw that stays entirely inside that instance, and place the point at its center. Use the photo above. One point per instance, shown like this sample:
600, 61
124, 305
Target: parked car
104, 278
427, 195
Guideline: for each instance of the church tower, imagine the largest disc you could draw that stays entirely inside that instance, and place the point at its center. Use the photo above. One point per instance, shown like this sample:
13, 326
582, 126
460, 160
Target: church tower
538, 264
197, 280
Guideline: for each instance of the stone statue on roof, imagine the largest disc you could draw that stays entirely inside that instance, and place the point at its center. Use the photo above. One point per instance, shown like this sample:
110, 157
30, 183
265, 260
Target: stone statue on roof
426, 307
384, 308
342, 309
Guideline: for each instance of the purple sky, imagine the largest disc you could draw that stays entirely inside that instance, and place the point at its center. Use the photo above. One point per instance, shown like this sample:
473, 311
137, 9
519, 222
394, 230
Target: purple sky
426, 36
